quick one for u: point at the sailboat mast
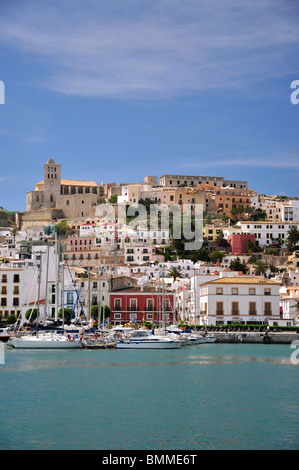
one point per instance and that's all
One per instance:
(46, 293)
(39, 284)
(56, 277)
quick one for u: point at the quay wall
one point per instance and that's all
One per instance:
(256, 337)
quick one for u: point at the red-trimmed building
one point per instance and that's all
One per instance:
(138, 304)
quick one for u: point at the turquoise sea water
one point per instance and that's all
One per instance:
(213, 396)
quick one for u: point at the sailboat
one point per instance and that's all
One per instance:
(45, 340)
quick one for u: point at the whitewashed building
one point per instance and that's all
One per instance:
(241, 300)
(266, 232)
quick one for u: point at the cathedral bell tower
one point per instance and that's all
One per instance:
(52, 182)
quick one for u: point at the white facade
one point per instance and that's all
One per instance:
(265, 232)
(289, 299)
(290, 211)
(243, 299)
(87, 230)
(18, 288)
(140, 254)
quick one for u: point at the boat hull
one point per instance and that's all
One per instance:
(206, 340)
(148, 345)
(18, 343)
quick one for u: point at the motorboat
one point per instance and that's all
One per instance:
(4, 335)
(144, 339)
(121, 332)
(186, 337)
(45, 341)
(201, 339)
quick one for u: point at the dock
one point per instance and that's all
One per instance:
(256, 337)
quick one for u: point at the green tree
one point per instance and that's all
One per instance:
(11, 319)
(113, 199)
(293, 238)
(95, 311)
(220, 240)
(258, 214)
(175, 273)
(224, 218)
(31, 314)
(216, 256)
(62, 228)
(260, 268)
(203, 254)
(250, 246)
(14, 232)
(67, 314)
(237, 265)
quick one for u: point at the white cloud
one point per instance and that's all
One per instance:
(262, 162)
(157, 48)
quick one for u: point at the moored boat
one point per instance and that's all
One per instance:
(143, 339)
(45, 341)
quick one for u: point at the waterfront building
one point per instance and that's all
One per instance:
(289, 304)
(241, 300)
(142, 304)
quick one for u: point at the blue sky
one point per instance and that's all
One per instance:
(116, 90)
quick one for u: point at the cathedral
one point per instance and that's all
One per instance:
(74, 198)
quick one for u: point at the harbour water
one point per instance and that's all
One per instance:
(202, 397)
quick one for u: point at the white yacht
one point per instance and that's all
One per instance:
(143, 339)
(189, 337)
(45, 341)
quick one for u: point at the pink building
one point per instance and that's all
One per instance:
(238, 243)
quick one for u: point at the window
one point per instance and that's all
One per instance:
(3, 290)
(149, 305)
(16, 278)
(117, 316)
(117, 304)
(3, 302)
(268, 308)
(16, 302)
(267, 292)
(251, 291)
(133, 305)
(16, 290)
(219, 290)
(252, 308)
(219, 308)
(235, 291)
(4, 277)
(235, 308)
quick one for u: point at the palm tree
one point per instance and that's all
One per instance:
(260, 268)
(293, 238)
(175, 273)
(14, 232)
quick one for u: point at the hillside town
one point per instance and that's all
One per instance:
(80, 251)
